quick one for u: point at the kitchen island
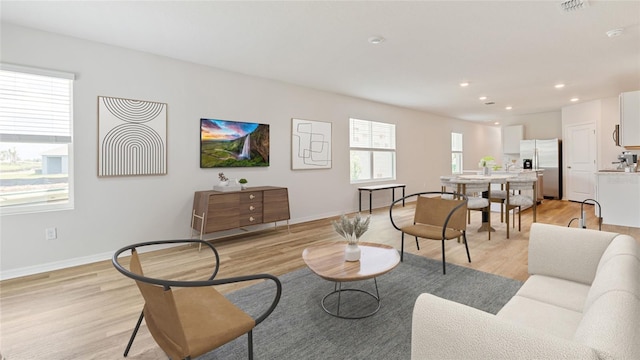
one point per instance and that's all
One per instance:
(619, 196)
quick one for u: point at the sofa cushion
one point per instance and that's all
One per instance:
(567, 253)
(559, 292)
(620, 245)
(612, 325)
(551, 319)
(619, 273)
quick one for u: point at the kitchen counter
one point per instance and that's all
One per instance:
(616, 172)
(618, 193)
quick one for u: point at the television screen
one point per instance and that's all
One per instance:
(225, 143)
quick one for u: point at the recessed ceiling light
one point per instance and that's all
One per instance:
(464, 84)
(482, 98)
(375, 40)
(509, 107)
(496, 123)
(614, 32)
(559, 86)
(574, 99)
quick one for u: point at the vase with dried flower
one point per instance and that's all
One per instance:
(351, 230)
(222, 179)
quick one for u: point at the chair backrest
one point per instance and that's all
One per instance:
(446, 182)
(436, 210)
(161, 313)
(521, 183)
(472, 187)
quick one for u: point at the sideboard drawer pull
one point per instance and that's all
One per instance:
(252, 207)
(251, 218)
(252, 196)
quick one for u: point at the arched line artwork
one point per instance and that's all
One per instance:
(310, 144)
(132, 137)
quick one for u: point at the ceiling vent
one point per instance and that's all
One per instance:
(573, 5)
(490, 103)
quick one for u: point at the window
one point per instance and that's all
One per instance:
(373, 150)
(456, 153)
(35, 139)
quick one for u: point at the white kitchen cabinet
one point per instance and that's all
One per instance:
(630, 119)
(619, 198)
(511, 136)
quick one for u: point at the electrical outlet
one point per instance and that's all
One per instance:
(51, 233)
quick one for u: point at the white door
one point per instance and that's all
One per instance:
(580, 161)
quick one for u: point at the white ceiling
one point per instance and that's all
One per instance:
(514, 52)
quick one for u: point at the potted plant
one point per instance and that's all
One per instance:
(243, 183)
(351, 230)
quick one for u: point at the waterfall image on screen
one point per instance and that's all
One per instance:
(225, 143)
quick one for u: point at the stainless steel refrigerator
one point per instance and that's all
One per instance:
(546, 155)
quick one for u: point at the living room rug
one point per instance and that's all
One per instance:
(300, 329)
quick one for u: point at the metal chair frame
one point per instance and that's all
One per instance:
(168, 284)
(444, 227)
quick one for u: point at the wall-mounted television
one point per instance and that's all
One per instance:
(225, 143)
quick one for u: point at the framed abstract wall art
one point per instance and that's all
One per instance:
(310, 144)
(132, 137)
(225, 143)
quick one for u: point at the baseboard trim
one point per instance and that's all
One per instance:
(52, 266)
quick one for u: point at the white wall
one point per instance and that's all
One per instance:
(112, 212)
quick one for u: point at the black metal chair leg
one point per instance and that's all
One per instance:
(133, 334)
(250, 339)
(417, 244)
(444, 264)
(467, 247)
(402, 248)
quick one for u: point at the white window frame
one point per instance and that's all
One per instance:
(16, 137)
(456, 153)
(389, 149)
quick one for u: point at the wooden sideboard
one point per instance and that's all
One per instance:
(220, 210)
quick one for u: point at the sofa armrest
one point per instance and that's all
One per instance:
(444, 329)
(567, 253)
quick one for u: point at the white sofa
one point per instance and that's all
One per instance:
(581, 301)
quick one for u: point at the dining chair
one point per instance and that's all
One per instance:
(435, 218)
(477, 192)
(191, 318)
(521, 192)
(447, 186)
(499, 196)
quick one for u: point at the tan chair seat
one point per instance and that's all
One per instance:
(207, 326)
(430, 231)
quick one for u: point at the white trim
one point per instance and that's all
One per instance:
(56, 265)
(37, 71)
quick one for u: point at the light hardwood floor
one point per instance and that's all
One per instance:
(88, 312)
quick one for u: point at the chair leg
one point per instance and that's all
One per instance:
(402, 248)
(250, 340)
(520, 219)
(444, 264)
(507, 220)
(466, 246)
(417, 244)
(488, 210)
(133, 334)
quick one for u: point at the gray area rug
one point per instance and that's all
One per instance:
(300, 329)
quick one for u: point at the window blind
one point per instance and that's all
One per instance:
(35, 105)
